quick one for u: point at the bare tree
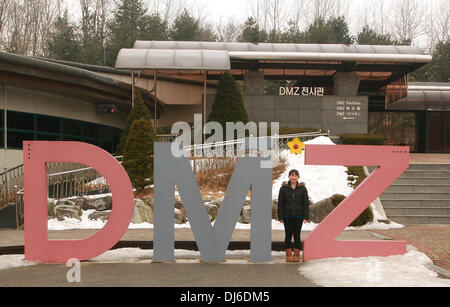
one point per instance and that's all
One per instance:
(270, 14)
(258, 9)
(4, 7)
(437, 25)
(298, 12)
(27, 25)
(228, 32)
(374, 14)
(94, 15)
(407, 19)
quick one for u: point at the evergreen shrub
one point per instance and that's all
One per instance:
(138, 153)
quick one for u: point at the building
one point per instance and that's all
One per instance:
(42, 100)
(332, 87)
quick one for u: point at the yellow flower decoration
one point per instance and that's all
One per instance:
(296, 146)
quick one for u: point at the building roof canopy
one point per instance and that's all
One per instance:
(424, 97)
(173, 59)
(273, 47)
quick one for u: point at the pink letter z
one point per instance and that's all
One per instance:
(391, 162)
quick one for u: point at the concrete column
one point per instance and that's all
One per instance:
(346, 84)
(254, 83)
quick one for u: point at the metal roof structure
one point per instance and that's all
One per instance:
(281, 48)
(424, 96)
(376, 66)
(45, 75)
(170, 59)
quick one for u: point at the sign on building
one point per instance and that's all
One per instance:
(348, 110)
(302, 91)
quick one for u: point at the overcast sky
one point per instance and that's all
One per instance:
(357, 12)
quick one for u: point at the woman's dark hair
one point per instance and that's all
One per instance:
(294, 171)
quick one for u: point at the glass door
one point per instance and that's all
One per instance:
(435, 132)
(438, 132)
(447, 139)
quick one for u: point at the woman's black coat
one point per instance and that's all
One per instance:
(293, 201)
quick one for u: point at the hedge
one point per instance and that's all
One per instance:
(361, 139)
(365, 217)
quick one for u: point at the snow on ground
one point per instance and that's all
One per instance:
(13, 261)
(322, 181)
(135, 254)
(409, 270)
(86, 223)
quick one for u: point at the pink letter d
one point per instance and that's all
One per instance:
(37, 246)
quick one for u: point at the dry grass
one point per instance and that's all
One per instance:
(214, 176)
(279, 169)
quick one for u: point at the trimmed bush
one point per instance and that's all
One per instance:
(336, 199)
(297, 130)
(228, 104)
(356, 175)
(365, 217)
(361, 139)
(140, 111)
(138, 153)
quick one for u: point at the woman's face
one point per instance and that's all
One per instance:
(293, 178)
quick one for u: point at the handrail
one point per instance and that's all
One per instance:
(241, 141)
(75, 177)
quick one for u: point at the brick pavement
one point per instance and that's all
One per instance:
(429, 158)
(432, 240)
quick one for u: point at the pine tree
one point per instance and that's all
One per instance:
(251, 32)
(63, 43)
(332, 31)
(439, 68)
(138, 153)
(185, 27)
(140, 111)
(131, 22)
(369, 36)
(228, 104)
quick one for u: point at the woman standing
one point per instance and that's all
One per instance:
(293, 211)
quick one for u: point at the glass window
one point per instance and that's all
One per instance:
(108, 146)
(91, 130)
(107, 133)
(15, 139)
(2, 119)
(48, 137)
(20, 121)
(92, 141)
(48, 124)
(72, 127)
(72, 139)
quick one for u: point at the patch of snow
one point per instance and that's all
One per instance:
(129, 255)
(14, 261)
(409, 270)
(322, 181)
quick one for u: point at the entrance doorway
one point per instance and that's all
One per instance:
(438, 131)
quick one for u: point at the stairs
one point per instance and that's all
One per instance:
(421, 195)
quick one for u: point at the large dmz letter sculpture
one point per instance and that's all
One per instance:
(212, 240)
(37, 245)
(391, 162)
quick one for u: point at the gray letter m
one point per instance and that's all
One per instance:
(212, 241)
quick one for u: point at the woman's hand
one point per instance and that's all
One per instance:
(281, 221)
